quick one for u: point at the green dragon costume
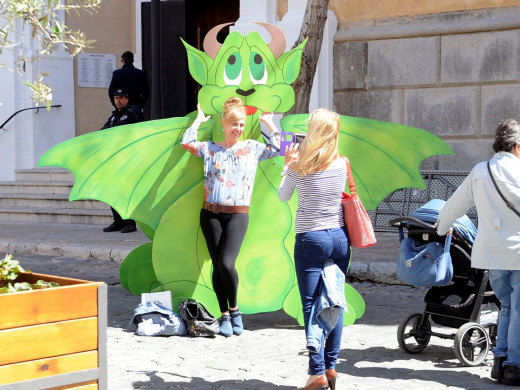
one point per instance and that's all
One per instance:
(160, 185)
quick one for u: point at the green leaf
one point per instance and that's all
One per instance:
(23, 286)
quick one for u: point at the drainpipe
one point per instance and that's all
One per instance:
(156, 104)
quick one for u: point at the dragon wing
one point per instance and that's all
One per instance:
(384, 156)
(135, 168)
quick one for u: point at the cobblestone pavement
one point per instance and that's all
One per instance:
(270, 354)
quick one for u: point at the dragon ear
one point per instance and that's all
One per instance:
(290, 62)
(198, 63)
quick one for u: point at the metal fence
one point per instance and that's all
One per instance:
(439, 185)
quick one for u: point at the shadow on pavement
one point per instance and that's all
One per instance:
(357, 363)
(196, 383)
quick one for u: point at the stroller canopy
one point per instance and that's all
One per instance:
(430, 213)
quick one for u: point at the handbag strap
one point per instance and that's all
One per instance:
(508, 203)
(447, 243)
(351, 184)
(161, 284)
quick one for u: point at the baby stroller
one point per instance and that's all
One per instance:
(459, 303)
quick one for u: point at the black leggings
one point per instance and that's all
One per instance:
(224, 234)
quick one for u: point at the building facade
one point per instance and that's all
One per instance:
(449, 67)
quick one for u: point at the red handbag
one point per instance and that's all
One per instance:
(359, 225)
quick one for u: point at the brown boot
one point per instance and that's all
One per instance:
(331, 375)
(320, 383)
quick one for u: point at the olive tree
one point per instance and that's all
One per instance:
(42, 22)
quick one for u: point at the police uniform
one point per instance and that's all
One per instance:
(124, 116)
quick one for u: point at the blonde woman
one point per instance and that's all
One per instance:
(229, 174)
(318, 174)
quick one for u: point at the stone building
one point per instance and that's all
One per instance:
(450, 67)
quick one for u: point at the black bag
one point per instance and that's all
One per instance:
(197, 319)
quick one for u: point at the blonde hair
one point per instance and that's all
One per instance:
(320, 146)
(233, 109)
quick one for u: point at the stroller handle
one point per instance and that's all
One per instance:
(414, 221)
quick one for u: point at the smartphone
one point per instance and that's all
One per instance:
(286, 140)
(299, 137)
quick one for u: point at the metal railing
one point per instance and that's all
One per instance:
(25, 109)
(439, 185)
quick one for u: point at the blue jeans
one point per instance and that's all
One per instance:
(311, 250)
(506, 285)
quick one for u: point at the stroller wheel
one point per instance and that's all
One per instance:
(471, 344)
(412, 335)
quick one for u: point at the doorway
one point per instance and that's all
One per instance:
(189, 20)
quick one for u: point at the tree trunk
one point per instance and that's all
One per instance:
(312, 28)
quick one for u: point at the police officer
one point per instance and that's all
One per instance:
(124, 114)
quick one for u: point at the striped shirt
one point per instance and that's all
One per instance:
(319, 197)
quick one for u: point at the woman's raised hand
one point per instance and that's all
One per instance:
(266, 117)
(292, 154)
(201, 117)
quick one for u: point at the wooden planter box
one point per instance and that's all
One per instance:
(54, 338)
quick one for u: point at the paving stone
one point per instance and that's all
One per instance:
(271, 354)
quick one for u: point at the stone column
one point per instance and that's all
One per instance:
(35, 131)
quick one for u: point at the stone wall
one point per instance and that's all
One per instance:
(113, 29)
(454, 74)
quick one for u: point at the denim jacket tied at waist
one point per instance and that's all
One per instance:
(326, 309)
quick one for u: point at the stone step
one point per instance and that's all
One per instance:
(35, 187)
(44, 175)
(42, 195)
(52, 201)
(57, 215)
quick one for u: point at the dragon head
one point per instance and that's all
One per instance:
(260, 74)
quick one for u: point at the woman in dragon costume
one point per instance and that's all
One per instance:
(229, 174)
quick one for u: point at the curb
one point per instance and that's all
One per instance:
(373, 271)
(80, 251)
(377, 272)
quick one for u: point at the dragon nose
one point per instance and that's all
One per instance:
(245, 93)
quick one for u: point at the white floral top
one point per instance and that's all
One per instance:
(229, 174)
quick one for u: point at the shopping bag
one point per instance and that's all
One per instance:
(162, 298)
(359, 226)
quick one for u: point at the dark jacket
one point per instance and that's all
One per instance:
(128, 115)
(133, 81)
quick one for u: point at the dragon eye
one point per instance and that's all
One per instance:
(233, 69)
(257, 69)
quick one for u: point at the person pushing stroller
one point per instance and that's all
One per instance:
(497, 245)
